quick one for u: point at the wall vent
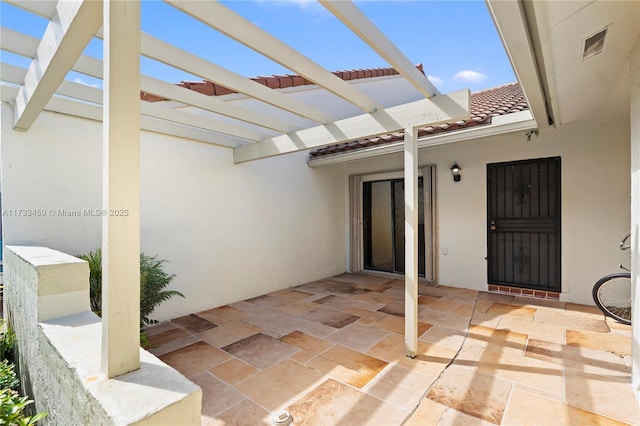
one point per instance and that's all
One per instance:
(594, 44)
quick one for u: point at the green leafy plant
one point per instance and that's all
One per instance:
(94, 259)
(12, 407)
(153, 283)
(8, 377)
(7, 340)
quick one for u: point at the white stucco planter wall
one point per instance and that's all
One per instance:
(59, 351)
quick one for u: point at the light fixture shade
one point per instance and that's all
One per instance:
(455, 171)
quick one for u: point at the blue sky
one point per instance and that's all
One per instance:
(455, 41)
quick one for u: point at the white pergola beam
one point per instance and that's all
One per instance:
(43, 8)
(212, 104)
(121, 189)
(71, 28)
(18, 43)
(357, 22)
(158, 110)
(178, 58)
(235, 26)
(411, 241)
(94, 112)
(438, 109)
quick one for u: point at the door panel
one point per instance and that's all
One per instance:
(383, 227)
(523, 212)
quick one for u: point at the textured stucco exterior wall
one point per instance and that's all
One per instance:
(595, 200)
(59, 357)
(229, 232)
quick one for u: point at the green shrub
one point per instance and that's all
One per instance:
(153, 281)
(7, 340)
(8, 377)
(12, 407)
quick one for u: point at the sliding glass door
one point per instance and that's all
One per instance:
(383, 225)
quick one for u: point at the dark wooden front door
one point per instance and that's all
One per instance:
(523, 224)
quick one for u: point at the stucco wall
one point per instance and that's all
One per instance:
(235, 231)
(229, 232)
(59, 351)
(595, 200)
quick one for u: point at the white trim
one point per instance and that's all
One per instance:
(390, 175)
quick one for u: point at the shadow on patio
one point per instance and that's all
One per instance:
(332, 352)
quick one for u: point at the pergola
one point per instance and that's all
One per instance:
(252, 135)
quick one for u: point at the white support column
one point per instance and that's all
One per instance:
(121, 189)
(411, 241)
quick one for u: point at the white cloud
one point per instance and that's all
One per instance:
(470, 76)
(85, 83)
(435, 80)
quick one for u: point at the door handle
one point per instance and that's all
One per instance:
(493, 227)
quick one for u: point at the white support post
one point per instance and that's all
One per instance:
(121, 189)
(411, 241)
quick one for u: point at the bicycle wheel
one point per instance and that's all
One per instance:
(612, 294)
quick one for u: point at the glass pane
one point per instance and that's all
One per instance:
(381, 227)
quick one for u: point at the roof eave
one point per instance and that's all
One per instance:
(514, 27)
(511, 123)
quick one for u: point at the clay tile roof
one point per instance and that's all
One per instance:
(486, 104)
(276, 82)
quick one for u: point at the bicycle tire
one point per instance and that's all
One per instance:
(612, 294)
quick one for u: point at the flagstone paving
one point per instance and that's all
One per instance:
(331, 352)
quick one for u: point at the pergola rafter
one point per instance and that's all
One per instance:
(357, 22)
(71, 28)
(235, 26)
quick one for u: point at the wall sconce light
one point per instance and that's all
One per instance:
(455, 171)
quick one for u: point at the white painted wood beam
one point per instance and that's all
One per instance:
(71, 28)
(12, 74)
(94, 112)
(212, 104)
(18, 43)
(411, 241)
(178, 58)
(157, 110)
(121, 189)
(438, 109)
(43, 8)
(511, 24)
(235, 26)
(87, 93)
(357, 22)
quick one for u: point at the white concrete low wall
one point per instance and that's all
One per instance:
(59, 341)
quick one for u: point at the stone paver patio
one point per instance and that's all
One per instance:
(332, 353)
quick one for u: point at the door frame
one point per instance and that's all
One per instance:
(356, 231)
